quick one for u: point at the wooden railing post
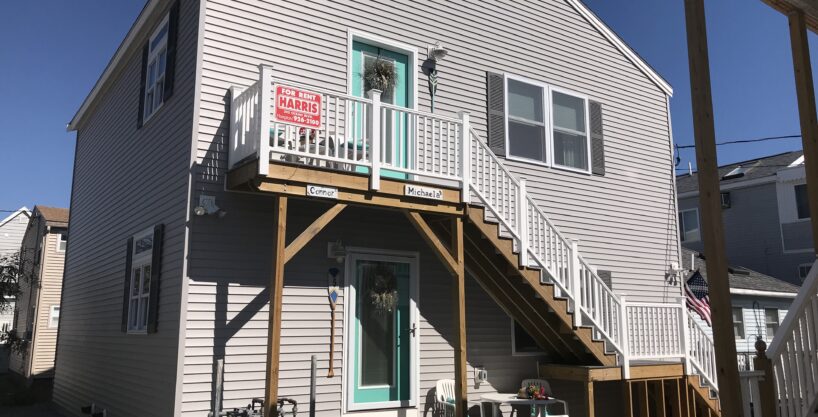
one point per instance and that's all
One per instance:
(766, 386)
(465, 157)
(684, 335)
(576, 282)
(522, 223)
(265, 104)
(374, 129)
(623, 337)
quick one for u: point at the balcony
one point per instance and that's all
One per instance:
(326, 144)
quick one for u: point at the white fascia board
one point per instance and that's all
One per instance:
(759, 293)
(13, 215)
(621, 46)
(150, 6)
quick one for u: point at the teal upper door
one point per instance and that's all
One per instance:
(394, 124)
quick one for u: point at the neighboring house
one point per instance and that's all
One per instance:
(759, 301)
(184, 189)
(37, 314)
(12, 229)
(765, 212)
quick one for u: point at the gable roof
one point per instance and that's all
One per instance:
(22, 210)
(740, 278)
(755, 169)
(151, 5)
(54, 216)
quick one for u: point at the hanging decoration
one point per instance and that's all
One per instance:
(332, 293)
(383, 292)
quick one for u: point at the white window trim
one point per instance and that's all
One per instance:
(59, 240)
(152, 54)
(140, 261)
(795, 202)
(51, 324)
(681, 225)
(514, 344)
(767, 336)
(743, 326)
(548, 122)
(392, 45)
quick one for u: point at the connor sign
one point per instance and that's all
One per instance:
(297, 107)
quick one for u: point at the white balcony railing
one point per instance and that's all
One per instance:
(368, 136)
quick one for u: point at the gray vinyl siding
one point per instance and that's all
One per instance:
(227, 310)
(632, 234)
(126, 180)
(30, 262)
(11, 233)
(752, 233)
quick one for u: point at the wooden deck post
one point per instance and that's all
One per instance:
(805, 92)
(710, 209)
(274, 324)
(459, 305)
(589, 398)
(766, 387)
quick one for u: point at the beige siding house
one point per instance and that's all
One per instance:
(545, 152)
(37, 312)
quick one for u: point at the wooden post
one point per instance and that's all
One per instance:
(627, 398)
(589, 398)
(710, 209)
(459, 305)
(766, 387)
(276, 293)
(805, 91)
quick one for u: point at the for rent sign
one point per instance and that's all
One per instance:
(298, 107)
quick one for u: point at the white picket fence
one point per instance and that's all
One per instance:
(366, 135)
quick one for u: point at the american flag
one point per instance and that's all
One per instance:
(697, 296)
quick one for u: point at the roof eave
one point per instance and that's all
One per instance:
(150, 6)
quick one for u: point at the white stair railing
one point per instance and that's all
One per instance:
(701, 353)
(794, 353)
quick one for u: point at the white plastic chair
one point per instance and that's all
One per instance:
(541, 383)
(444, 397)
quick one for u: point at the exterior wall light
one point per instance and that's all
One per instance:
(435, 53)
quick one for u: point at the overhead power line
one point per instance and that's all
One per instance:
(733, 142)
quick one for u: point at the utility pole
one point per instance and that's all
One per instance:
(710, 209)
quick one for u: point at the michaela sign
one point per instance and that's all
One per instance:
(297, 107)
(423, 192)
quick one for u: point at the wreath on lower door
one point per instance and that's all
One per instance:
(383, 292)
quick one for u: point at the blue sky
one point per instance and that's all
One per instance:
(54, 50)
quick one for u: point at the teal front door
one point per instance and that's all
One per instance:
(382, 333)
(395, 127)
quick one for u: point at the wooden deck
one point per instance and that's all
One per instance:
(610, 373)
(352, 188)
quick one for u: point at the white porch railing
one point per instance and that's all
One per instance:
(701, 353)
(368, 136)
(794, 353)
(750, 393)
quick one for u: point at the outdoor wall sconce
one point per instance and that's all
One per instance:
(435, 54)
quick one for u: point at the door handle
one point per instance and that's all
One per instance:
(412, 329)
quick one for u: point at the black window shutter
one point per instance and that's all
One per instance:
(496, 114)
(597, 139)
(170, 65)
(126, 295)
(156, 268)
(142, 86)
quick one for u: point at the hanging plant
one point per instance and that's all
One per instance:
(383, 293)
(380, 74)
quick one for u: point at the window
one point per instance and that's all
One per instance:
(803, 271)
(140, 282)
(62, 241)
(689, 225)
(726, 202)
(738, 323)
(155, 66)
(547, 125)
(771, 320)
(54, 317)
(801, 201)
(522, 344)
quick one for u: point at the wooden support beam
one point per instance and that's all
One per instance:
(627, 400)
(276, 295)
(710, 208)
(589, 398)
(434, 241)
(659, 397)
(684, 403)
(644, 408)
(766, 387)
(306, 236)
(459, 307)
(805, 92)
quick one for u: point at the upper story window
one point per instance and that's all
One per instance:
(689, 225)
(54, 317)
(547, 125)
(155, 69)
(738, 322)
(62, 241)
(801, 201)
(771, 321)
